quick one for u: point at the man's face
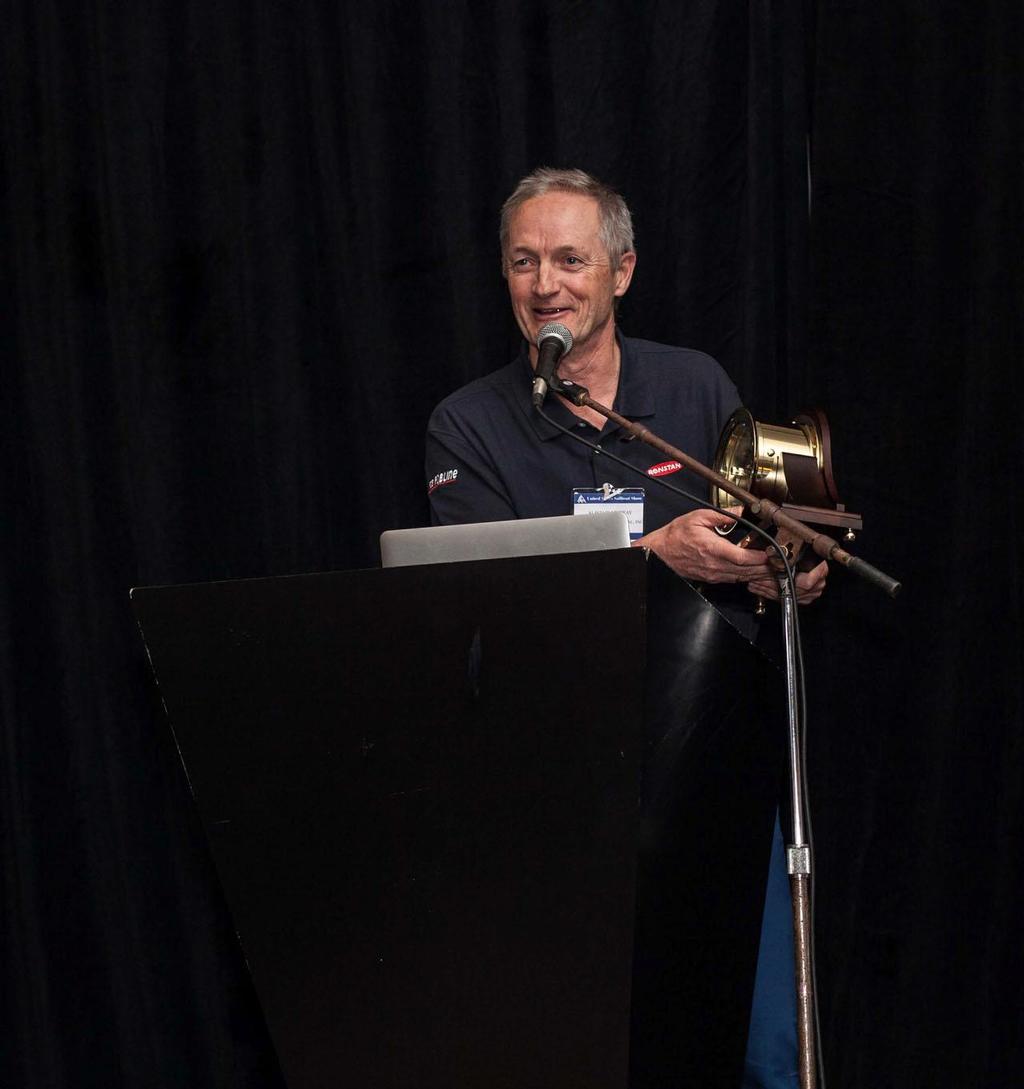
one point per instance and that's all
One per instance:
(558, 269)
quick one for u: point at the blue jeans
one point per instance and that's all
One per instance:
(771, 1061)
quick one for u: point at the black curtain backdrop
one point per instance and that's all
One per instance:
(246, 247)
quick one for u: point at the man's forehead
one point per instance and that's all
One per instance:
(556, 219)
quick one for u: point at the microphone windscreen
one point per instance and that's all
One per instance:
(557, 331)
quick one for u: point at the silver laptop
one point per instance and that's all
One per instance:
(496, 540)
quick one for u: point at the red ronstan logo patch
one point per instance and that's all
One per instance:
(663, 468)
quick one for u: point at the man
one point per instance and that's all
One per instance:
(568, 257)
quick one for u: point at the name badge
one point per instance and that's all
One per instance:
(630, 501)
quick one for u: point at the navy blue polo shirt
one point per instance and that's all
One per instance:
(490, 456)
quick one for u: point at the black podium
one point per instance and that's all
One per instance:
(421, 788)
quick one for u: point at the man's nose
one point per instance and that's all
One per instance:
(546, 282)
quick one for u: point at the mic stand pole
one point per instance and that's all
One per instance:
(798, 854)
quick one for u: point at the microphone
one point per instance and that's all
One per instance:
(553, 341)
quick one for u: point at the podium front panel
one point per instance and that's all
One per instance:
(420, 788)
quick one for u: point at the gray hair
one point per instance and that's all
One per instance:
(616, 223)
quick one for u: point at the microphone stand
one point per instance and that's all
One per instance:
(798, 853)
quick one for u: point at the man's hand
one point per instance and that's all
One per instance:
(809, 585)
(691, 546)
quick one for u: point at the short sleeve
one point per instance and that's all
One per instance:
(462, 486)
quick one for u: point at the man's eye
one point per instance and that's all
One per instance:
(521, 262)
(573, 260)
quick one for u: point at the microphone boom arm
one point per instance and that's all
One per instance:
(821, 544)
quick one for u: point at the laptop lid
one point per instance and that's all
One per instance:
(497, 540)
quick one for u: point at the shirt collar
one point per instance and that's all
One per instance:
(635, 397)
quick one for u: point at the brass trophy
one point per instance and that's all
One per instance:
(790, 466)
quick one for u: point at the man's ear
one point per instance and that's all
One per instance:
(624, 273)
